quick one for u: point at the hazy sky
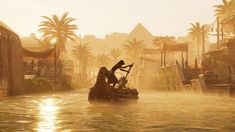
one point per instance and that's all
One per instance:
(100, 17)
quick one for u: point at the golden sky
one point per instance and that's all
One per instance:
(100, 17)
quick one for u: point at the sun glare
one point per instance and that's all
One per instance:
(47, 115)
(53, 41)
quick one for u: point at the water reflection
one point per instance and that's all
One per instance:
(47, 115)
(154, 112)
(119, 118)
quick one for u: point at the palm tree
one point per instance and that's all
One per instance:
(92, 66)
(115, 54)
(160, 42)
(44, 43)
(82, 53)
(199, 34)
(60, 29)
(226, 9)
(133, 49)
(102, 60)
(67, 66)
(195, 32)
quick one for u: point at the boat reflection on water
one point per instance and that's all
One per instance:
(47, 115)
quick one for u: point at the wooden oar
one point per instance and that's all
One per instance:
(129, 70)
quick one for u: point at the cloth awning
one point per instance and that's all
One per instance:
(177, 47)
(40, 54)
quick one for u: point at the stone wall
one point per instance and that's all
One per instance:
(11, 64)
(171, 78)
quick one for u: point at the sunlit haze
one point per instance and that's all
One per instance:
(117, 65)
(100, 17)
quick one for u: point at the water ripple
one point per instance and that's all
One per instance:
(154, 112)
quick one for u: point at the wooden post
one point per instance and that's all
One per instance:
(218, 31)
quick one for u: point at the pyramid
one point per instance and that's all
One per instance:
(140, 33)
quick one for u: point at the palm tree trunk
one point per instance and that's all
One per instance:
(203, 39)
(164, 55)
(84, 70)
(198, 49)
(58, 74)
(80, 68)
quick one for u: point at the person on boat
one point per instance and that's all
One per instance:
(112, 79)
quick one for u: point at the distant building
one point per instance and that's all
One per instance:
(30, 42)
(97, 44)
(114, 40)
(39, 63)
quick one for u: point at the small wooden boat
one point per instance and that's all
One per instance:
(104, 92)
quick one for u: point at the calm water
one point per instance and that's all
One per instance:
(154, 112)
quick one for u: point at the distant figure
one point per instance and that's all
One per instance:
(38, 71)
(176, 62)
(35, 70)
(43, 71)
(112, 79)
(196, 64)
(32, 65)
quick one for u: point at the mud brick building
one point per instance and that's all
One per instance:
(11, 64)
